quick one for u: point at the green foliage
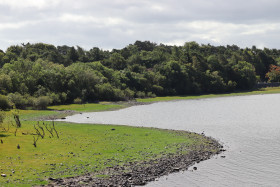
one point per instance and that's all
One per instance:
(142, 69)
(2, 117)
(245, 75)
(42, 102)
(77, 101)
(4, 102)
(18, 100)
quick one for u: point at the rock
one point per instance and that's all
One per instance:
(127, 175)
(3, 175)
(176, 169)
(194, 168)
(62, 118)
(223, 156)
(113, 129)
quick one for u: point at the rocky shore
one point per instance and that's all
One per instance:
(140, 173)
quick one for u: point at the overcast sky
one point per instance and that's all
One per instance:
(117, 23)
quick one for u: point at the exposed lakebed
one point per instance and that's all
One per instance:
(249, 127)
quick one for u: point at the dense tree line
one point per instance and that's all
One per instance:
(41, 74)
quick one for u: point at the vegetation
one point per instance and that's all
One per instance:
(39, 75)
(82, 148)
(50, 79)
(89, 107)
(28, 160)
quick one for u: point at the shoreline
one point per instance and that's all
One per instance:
(126, 104)
(140, 173)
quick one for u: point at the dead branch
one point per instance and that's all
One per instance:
(35, 141)
(55, 129)
(18, 123)
(38, 132)
(49, 130)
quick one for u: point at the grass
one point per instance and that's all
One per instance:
(270, 90)
(81, 148)
(90, 107)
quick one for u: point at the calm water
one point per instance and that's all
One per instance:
(248, 126)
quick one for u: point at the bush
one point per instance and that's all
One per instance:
(105, 91)
(140, 94)
(2, 117)
(129, 94)
(77, 101)
(4, 102)
(118, 94)
(42, 102)
(150, 94)
(18, 100)
(54, 98)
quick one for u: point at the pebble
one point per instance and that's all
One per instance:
(3, 175)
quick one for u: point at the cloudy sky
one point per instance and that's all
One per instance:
(117, 23)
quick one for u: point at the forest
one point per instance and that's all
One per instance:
(38, 75)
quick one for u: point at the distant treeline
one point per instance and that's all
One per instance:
(38, 75)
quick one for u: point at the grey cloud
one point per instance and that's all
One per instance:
(115, 24)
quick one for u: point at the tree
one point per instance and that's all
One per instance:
(274, 74)
(245, 75)
(117, 61)
(4, 103)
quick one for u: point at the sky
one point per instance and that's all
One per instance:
(118, 23)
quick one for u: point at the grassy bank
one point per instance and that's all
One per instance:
(89, 107)
(81, 148)
(270, 90)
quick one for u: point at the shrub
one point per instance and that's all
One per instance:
(78, 101)
(140, 94)
(151, 94)
(54, 98)
(4, 102)
(2, 117)
(42, 102)
(118, 94)
(129, 94)
(18, 100)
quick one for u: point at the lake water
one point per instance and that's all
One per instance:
(248, 126)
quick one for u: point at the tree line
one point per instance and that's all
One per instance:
(38, 75)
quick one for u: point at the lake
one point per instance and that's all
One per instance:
(247, 126)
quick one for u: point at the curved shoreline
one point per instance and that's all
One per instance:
(140, 173)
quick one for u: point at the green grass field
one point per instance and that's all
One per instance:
(89, 107)
(81, 148)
